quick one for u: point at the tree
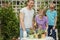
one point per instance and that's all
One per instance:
(9, 23)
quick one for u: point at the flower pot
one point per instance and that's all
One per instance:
(13, 38)
(31, 36)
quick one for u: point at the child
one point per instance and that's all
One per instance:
(41, 20)
(52, 20)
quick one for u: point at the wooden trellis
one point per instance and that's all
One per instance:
(18, 4)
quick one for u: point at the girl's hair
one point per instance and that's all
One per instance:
(44, 11)
(39, 9)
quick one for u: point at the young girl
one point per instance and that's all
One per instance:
(41, 20)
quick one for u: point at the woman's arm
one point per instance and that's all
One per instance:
(22, 21)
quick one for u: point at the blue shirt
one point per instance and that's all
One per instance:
(51, 16)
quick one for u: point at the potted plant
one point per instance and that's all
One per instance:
(31, 33)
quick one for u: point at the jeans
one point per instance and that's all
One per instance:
(53, 34)
(21, 32)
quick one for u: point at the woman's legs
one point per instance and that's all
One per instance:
(21, 34)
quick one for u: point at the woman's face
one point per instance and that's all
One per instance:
(41, 12)
(31, 4)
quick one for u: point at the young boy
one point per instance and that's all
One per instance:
(52, 20)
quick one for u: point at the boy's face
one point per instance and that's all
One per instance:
(51, 6)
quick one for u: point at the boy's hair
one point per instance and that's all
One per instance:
(52, 4)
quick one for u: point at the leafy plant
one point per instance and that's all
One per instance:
(31, 31)
(9, 23)
(58, 21)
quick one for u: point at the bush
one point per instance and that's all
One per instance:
(58, 22)
(9, 23)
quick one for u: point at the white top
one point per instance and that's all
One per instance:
(28, 16)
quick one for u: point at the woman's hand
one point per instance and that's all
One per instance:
(24, 34)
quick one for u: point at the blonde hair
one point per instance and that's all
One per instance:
(52, 4)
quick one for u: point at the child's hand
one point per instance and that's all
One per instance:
(54, 28)
(40, 27)
(46, 32)
(35, 24)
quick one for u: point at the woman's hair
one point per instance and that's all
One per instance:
(28, 1)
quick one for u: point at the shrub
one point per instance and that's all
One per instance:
(9, 23)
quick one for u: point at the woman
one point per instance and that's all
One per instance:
(41, 20)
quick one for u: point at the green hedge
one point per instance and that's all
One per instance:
(58, 21)
(9, 23)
